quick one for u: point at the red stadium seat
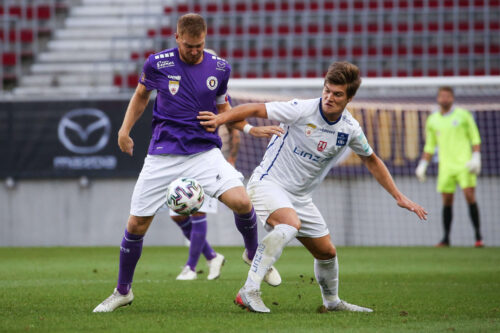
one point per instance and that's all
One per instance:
(297, 52)
(371, 73)
(495, 48)
(327, 52)
(252, 53)
(238, 53)
(311, 73)
(448, 49)
(311, 52)
(388, 4)
(479, 72)
(372, 50)
(313, 5)
(402, 73)
(251, 75)
(313, 28)
(357, 51)
(387, 50)
(211, 7)
(267, 52)
(132, 80)
(463, 49)
(448, 72)
(241, 7)
(9, 59)
(328, 5)
(373, 4)
(282, 52)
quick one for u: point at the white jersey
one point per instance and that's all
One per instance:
(300, 159)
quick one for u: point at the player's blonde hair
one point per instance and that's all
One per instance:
(343, 72)
(192, 24)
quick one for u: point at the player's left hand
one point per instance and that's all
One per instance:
(474, 165)
(413, 207)
(208, 120)
(266, 131)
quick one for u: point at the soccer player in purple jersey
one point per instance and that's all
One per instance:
(187, 80)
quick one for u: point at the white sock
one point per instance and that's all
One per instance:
(268, 252)
(327, 275)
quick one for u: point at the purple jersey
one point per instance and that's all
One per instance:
(183, 91)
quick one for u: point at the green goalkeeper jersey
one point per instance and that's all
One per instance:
(454, 133)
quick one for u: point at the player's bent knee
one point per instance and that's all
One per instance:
(242, 206)
(138, 225)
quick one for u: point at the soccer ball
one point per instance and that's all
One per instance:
(185, 196)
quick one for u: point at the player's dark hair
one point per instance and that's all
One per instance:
(343, 72)
(446, 88)
(192, 24)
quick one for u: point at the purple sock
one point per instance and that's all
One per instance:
(185, 226)
(130, 252)
(198, 236)
(247, 226)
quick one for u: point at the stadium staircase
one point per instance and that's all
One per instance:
(100, 40)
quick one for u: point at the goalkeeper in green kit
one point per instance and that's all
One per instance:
(454, 132)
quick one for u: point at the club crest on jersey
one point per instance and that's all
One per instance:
(212, 82)
(173, 87)
(310, 129)
(322, 145)
(342, 139)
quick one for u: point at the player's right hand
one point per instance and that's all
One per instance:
(421, 169)
(208, 120)
(126, 143)
(266, 131)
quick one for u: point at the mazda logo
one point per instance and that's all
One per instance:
(84, 131)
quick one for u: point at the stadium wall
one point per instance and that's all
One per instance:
(358, 212)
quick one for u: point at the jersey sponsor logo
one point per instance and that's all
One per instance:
(325, 130)
(306, 155)
(310, 128)
(221, 66)
(212, 82)
(84, 131)
(342, 139)
(322, 145)
(173, 87)
(174, 77)
(344, 118)
(164, 64)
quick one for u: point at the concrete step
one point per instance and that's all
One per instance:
(58, 80)
(82, 56)
(127, 2)
(76, 91)
(117, 10)
(96, 68)
(146, 21)
(101, 44)
(98, 33)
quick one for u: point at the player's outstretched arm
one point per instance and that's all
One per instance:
(236, 119)
(241, 112)
(378, 169)
(135, 109)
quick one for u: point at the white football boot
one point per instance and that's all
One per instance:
(115, 301)
(215, 266)
(344, 306)
(272, 276)
(186, 274)
(251, 300)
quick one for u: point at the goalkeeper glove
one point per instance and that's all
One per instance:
(474, 165)
(421, 169)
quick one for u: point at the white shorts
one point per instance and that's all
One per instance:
(209, 168)
(268, 196)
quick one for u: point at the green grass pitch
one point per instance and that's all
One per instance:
(410, 289)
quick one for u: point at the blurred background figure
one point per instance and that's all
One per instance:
(453, 131)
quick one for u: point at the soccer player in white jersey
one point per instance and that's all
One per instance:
(316, 132)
